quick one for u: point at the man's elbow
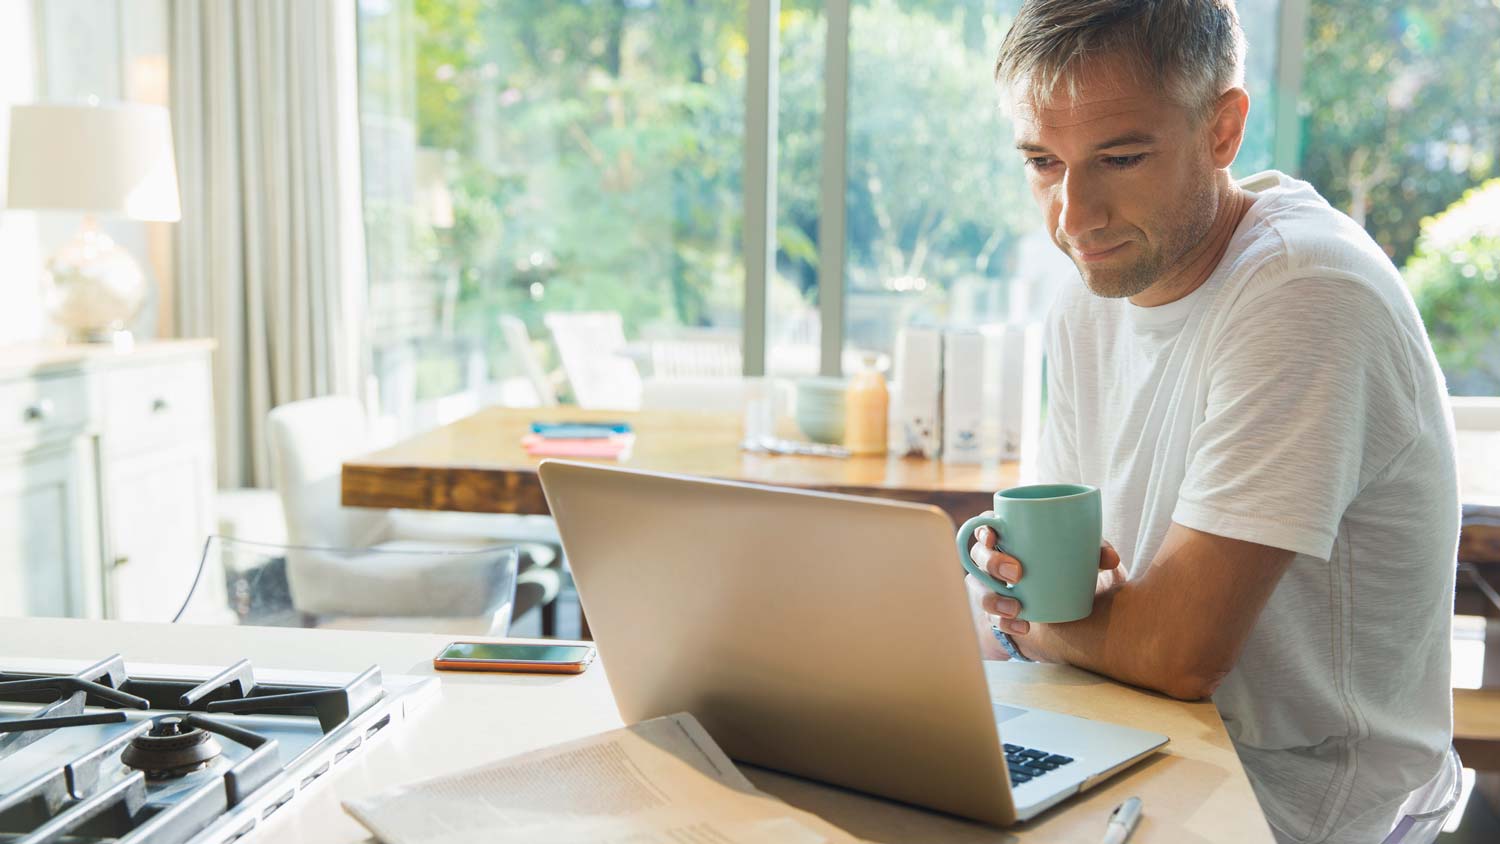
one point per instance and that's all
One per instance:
(1192, 686)
(1194, 676)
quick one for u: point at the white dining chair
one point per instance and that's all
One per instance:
(309, 442)
(518, 343)
(695, 395)
(591, 346)
(696, 358)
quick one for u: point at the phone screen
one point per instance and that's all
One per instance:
(515, 653)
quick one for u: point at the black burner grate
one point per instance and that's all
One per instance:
(73, 801)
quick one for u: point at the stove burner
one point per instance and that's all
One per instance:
(127, 784)
(171, 749)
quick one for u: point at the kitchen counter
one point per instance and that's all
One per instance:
(1195, 791)
(45, 358)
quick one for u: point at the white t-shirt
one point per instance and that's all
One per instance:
(1292, 400)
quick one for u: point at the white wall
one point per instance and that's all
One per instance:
(21, 317)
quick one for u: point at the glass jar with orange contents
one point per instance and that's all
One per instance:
(866, 406)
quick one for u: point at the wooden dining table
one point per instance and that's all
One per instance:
(478, 465)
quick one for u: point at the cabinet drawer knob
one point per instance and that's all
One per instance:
(39, 411)
(120, 561)
(159, 406)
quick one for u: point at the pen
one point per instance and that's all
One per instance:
(1122, 821)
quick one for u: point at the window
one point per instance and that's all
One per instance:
(525, 159)
(938, 208)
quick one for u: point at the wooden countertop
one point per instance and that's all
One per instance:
(477, 465)
(1194, 790)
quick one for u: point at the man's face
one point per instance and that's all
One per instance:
(1124, 177)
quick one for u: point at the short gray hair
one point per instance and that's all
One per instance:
(1191, 50)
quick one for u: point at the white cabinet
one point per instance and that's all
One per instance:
(157, 463)
(106, 479)
(159, 513)
(49, 542)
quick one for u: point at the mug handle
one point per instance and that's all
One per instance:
(966, 532)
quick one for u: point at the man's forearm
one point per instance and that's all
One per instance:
(1179, 627)
(1122, 639)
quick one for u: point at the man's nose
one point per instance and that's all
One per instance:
(1083, 206)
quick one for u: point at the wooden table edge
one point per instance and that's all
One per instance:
(518, 489)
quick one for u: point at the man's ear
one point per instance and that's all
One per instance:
(1226, 126)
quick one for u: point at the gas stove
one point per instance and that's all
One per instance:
(176, 754)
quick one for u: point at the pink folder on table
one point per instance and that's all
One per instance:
(603, 448)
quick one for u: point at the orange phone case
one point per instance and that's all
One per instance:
(511, 667)
(441, 663)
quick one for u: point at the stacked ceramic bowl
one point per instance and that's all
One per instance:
(820, 408)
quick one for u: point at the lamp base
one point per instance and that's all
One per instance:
(121, 339)
(93, 288)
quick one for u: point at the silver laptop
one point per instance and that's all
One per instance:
(821, 635)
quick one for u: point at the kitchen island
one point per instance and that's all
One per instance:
(1194, 791)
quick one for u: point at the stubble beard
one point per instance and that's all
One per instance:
(1180, 230)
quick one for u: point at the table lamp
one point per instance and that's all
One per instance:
(115, 160)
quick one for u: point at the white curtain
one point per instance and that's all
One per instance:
(270, 252)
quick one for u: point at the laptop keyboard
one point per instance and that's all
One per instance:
(1027, 764)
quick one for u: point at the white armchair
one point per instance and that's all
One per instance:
(444, 588)
(309, 441)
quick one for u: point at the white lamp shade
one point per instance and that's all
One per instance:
(105, 159)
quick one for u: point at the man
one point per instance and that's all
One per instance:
(1243, 375)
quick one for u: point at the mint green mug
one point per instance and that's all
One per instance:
(1055, 531)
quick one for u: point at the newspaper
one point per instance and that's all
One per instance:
(662, 780)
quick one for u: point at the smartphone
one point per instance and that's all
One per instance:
(498, 656)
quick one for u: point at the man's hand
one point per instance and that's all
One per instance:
(1002, 610)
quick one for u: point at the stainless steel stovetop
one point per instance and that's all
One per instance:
(172, 754)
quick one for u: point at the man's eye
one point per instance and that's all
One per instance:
(1125, 162)
(1041, 163)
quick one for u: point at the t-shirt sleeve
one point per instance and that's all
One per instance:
(1057, 452)
(1309, 396)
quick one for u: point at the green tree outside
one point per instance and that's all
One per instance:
(1455, 278)
(1400, 109)
(590, 155)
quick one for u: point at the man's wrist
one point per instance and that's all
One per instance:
(1009, 644)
